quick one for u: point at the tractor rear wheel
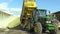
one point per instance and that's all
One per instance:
(38, 28)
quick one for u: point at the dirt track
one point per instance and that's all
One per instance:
(16, 32)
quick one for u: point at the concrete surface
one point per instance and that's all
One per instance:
(15, 30)
(12, 31)
(58, 32)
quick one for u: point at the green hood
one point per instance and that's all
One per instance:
(47, 17)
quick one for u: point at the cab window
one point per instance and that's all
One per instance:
(42, 13)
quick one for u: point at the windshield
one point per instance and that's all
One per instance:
(42, 12)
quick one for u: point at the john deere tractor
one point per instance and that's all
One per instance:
(43, 23)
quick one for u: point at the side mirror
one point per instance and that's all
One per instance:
(49, 12)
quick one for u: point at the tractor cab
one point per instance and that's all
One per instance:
(41, 16)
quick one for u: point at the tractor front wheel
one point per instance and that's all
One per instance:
(56, 29)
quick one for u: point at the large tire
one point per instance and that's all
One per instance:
(39, 26)
(56, 28)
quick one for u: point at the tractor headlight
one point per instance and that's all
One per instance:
(48, 21)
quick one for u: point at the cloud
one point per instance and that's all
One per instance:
(13, 11)
(3, 5)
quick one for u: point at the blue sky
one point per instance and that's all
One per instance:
(52, 5)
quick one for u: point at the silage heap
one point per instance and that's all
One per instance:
(7, 20)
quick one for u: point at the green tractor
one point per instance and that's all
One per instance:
(42, 23)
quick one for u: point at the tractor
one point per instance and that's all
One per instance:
(43, 23)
